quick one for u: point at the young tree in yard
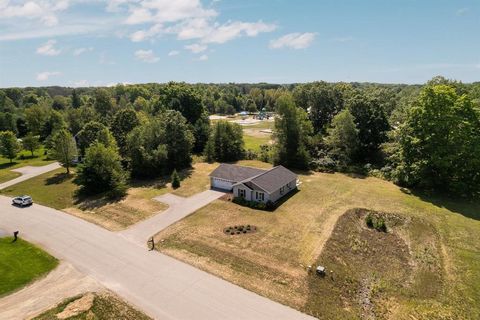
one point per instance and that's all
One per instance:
(31, 143)
(292, 133)
(342, 140)
(439, 144)
(9, 146)
(225, 143)
(64, 148)
(102, 171)
(175, 180)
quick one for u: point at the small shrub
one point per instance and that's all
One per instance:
(369, 220)
(377, 223)
(175, 180)
(380, 225)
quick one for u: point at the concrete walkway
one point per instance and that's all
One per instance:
(63, 282)
(161, 286)
(29, 172)
(179, 208)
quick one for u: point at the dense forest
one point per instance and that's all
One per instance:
(424, 136)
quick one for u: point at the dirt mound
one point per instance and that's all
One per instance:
(368, 270)
(77, 307)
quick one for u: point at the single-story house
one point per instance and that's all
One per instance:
(254, 184)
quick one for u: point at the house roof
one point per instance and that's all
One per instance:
(271, 180)
(235, 173)
(256, 179)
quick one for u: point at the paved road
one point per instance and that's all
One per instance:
(179, 208)
(163, 287)
(29, 172)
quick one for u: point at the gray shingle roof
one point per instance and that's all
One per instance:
(235, 173)
(256, 179)
(272, 180)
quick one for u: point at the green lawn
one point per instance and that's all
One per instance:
(24, 158)
(437, 246)
(254, 143)
(21, 263)
(54, 189)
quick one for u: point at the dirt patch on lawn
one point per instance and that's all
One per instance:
(369, 272)
(97, 305)
(77, 307)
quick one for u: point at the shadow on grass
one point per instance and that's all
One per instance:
(58, 178)
(159, 182)
(92, 202)
(7, 165)
(469, 208)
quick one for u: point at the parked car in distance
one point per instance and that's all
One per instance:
(22, 201)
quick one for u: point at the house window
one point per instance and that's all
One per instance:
(241, 193)
(259, 196)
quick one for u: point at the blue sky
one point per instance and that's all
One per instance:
(94, 42)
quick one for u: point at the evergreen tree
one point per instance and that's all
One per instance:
(175, 180)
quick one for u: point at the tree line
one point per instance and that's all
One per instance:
(415, 135)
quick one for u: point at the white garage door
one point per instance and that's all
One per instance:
(222, 184)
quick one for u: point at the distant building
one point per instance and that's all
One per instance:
(254, 184)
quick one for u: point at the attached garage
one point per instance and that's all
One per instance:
(222, 184)
(226, 175)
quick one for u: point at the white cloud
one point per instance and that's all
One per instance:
(161, 11)
(196, 47)
(146, 34)
(80, 51)
(203, 58)
(42, 10)
(146, 56)
(173, 53)
(293, 40)
(48, 49)
(235, 29)
(187, 19)
(44, 76)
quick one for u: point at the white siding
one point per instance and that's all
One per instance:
(221, 184)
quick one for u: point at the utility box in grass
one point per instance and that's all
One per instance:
(320, 271)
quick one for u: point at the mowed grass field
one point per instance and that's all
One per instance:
(436, 248)
(21, 263)
(24, 158)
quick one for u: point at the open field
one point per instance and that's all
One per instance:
(21, 263)
(24, 158)
(436, 250)
(103, 305)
